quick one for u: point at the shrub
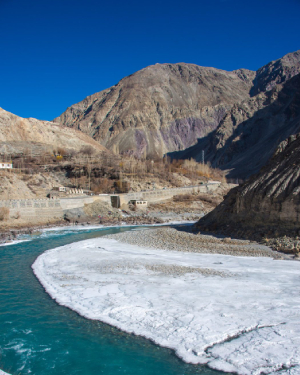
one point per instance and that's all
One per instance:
(87, 150)
(183, 198)
(4, 212)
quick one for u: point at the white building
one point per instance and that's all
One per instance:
(138, 204)
(4, 165)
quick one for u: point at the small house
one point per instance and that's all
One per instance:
(139, 203)
(4, 165)
(60, 188)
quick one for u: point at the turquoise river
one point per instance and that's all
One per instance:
(37, 336)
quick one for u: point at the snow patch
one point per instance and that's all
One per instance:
(240, 315)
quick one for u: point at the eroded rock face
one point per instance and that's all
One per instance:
(276, 72)
(249, 133)
(270, 199)
(18, 134)
(162, 108)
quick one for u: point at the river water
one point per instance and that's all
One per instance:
(37, 336)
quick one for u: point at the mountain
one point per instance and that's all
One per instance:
(268, 202)
(249, 133)
(18, 134)
(238, 118)
(162, 108)
(276, 72)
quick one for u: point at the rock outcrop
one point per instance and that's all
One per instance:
(250, 132)
(276, 72)
(269, 203)
(18, 134)
(162, 108)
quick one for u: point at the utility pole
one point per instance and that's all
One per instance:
(202, 156)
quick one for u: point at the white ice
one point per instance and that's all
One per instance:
(79, 227)
(243, 317)
(14, 242)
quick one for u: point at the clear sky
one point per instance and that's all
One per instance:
(55, 53)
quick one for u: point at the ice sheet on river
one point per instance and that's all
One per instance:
(235, 314)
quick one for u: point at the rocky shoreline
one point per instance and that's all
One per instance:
(179, 239)
(183, 238)
(8, 235)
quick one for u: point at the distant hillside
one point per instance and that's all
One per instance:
(18, 134)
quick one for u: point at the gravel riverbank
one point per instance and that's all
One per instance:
(177, 240)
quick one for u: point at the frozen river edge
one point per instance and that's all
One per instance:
(234, 313)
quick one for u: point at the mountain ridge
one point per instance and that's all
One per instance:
(166, 108)
(152, 100)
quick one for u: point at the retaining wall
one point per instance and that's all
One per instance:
(33, 208)
(54, 208)
(46, 208)
(164, 194)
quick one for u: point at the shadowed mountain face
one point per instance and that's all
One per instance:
(269, 199)
(162, 108)
(250, 132)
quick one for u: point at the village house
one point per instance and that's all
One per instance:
(139, 203)
(5, 165)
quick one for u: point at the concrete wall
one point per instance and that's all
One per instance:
(164, 194)
(33, 208)
(75, 202)
(47, 208)
(54, 208)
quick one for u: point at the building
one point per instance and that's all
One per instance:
(5, 165)
(138, 204)
(60, 188)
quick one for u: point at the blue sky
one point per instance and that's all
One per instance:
(55, 53)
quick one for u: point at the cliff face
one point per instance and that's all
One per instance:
(162, 108)
(270, 199)
(17, 134)
(250, 132)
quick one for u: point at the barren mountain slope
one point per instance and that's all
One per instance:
(250, 132)
(276, 72)
(162, 108)
(269, 201)
(17, 134)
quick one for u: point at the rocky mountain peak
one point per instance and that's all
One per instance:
(185, 108)
(276, 72)
(143, 113)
